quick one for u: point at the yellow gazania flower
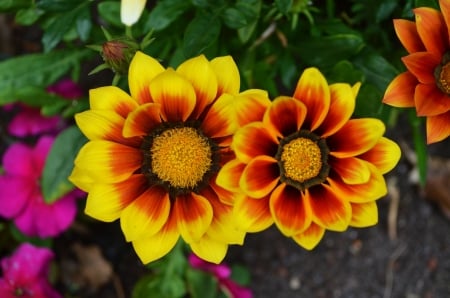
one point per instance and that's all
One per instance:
(307, 166)
(131, 10)
(426, 83)
(152, 157)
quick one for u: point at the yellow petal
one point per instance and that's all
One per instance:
(310, 237)
(351, 170)
(227, 75)
(364, 215)
(252, 215)
(112, 98)
(229, 175)
(81, 179)
(384, 155)
(209, 250)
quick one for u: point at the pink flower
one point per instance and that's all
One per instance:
(20, 192)
(222, 273)
(25, 273)
(29, 120)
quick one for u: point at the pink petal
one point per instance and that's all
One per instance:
(66, 88)
(29, 122)
(40, 152)
(15, 193)
(17, 161)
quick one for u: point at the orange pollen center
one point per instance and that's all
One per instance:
(444, 78)
(181, 157)
(302, 159)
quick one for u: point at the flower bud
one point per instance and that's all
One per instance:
(117, 53)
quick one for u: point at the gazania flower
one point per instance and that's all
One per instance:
(153, 157)
(307, 166)
(131, 10)
(426, 83)
(25, 273)
(21, 197)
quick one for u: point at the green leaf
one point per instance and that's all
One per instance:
(201, 32)
(84, 24)
(38, 97)
(59, 164)
(110, 12)
(201, 284)
(246, 32)
(12, 5)
(154, 286)
(36, 70)
(420, 145)
(240, 274)
(234, 18)
(57, 5)
(283, 5)
(165, 13)
(28, 16)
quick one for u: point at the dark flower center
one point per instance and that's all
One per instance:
(442, 74)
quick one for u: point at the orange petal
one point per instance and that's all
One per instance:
(106, 201)
(289, 210)
(227, 75)
(260, 176)
(432, 30)
(422, 66)
(312, 89)
(310, 237)
(194, 214)
(351, 170)
(143, 69)
(328, 210)
(400, 92)
(229, 175)
(384, 155)
(199, 72)
(445, 10)
(253, 140)
(152, 248)
(430, 101)
(285, 116)
(408, 36)
(141, 121)
(175, 94)
(113, 99)
(438, 127)
(146, 215)
(108, 162)
(374, 189)
(364, 215)
(252, 215)
(342, 105)
(356, 137)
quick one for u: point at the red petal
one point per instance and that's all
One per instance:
(285, 116)
(260, 176)
(141, 121)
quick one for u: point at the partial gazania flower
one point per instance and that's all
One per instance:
(131, 10)
(307, 166)
(153, 157)
(426, 83)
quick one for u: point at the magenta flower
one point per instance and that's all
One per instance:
(20, 192)
(29, 121)
(222, 273)
(25, 273)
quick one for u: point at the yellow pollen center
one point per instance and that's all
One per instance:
(181, 157)
(301, 159)
(444, 78)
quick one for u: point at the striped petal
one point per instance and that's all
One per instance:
(146, 215)
(199, 72)
(108, 162)
(408, 36)
(374, 189)
(329, 211)
(260, 176)
(250, 106)
(364, 215)
(175, 94)
(356, 137)
(131, 10)
(143, 69)
(229, 175)
(227, 75)
(285, 116)
(432, 30)
(430, 101)
(351, 170)
(252, 215)
(422, 65)
(253, 140)
(152, 248)
(142, 120)
(220, 121)
(289, 210)
(342, 105)
(209, 250)
(225, 196)
(310, 237)
(194, 215)
(438, 127)
(106, 201)
(104, 125)
(400, 92)
(312, 89)
(112, 98)
(384, 155)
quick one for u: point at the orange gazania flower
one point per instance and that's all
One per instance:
(153, 156)
(426, 83)
(307, 166)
